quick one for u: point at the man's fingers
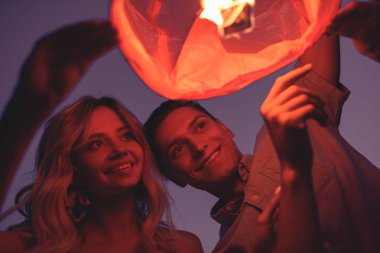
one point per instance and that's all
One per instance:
(348, 12)
(351, 20)
(297, 117)
(296, 111)
(288, 79)
(281, 109)
(303, 100)
(296, 74)
(348, 28)
(269, 211)
(297, 92)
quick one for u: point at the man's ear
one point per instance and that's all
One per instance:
(221, 124)
(168, 173)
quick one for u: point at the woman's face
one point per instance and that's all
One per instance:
(111, 161)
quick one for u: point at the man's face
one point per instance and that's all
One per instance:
(197, 149)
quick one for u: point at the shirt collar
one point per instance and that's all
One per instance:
(226, 212)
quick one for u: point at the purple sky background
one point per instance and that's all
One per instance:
(23, 21)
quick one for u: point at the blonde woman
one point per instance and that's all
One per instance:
(97, 188)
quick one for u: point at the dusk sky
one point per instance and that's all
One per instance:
(22, 22)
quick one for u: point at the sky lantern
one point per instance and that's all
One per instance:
(197, 49)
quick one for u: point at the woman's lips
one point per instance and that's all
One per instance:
(120, 167)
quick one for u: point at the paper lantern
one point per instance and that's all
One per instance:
(180, 55)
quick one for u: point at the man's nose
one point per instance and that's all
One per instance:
(199, 149)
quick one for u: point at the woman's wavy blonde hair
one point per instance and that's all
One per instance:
(52, 228)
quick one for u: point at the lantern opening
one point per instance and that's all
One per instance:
(232, 17)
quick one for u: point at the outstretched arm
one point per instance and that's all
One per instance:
(361, 22)
(324, 55)
(54, 67)
(285, 111)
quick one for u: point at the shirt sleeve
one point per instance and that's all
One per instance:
(333, 95)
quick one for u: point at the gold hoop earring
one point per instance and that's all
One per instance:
(78, 204)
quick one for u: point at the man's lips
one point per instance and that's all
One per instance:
(119, 167)
(210, 159)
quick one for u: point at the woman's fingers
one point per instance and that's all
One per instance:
(82, 41)
(82, 31)
(60, 59)
(98, 40)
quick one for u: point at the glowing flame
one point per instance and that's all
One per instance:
(231, 16)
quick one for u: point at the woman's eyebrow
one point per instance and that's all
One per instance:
(126, 127)
(122, 128)
(95, 135)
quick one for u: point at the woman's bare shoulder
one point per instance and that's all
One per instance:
(11, 242)
(186, 242)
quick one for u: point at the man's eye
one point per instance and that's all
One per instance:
(202, 124)
(177, 151)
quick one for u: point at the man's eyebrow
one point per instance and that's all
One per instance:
(192, 123)
(180, 139)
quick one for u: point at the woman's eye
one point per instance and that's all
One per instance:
(128, 136)
(93, 145)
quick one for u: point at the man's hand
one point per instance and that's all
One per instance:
(265, 234)
(361, 22)
(285, 111)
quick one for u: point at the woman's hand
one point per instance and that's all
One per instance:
(59, 59)
(54, 67)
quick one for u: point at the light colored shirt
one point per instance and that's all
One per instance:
(346, 184)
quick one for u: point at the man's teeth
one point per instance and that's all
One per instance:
(210, 159)
(121, 167)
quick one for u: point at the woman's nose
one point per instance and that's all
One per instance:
(118, 150)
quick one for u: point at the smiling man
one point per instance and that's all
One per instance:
(205, 163)
(193, 147)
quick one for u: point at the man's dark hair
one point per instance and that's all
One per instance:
(155, 119)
